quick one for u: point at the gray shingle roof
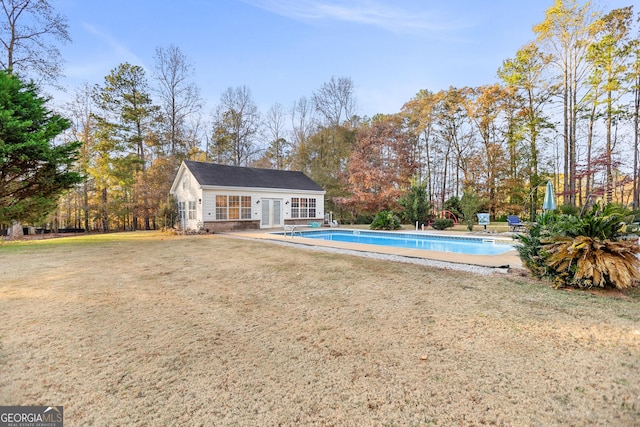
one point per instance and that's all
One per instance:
(235, 176)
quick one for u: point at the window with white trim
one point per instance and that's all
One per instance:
(302, 207)
(221, 207)
(181, 213)
(192, 210)
(233, 207)
(245, 207)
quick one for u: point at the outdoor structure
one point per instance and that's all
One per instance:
(483, 219)
(221, 198)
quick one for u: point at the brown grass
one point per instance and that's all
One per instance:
(146, 329)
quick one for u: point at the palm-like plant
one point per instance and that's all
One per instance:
(583, 251)
(532, 248)
(585, 261)
(608, 222)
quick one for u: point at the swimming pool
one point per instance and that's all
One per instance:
(429, 242)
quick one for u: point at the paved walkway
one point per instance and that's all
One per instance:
(509, 259)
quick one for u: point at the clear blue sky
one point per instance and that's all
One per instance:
(284, 49)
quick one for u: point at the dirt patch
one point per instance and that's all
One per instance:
(208, 330)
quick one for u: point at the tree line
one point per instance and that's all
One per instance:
(565, 108)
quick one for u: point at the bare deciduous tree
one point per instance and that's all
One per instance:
(302, 120)
(236, 124)
(335, 100)
(274, 127)
(180, 97)
(25, 32)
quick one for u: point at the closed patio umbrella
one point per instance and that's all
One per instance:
(549, 202)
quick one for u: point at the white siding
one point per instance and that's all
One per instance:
(209, 201)
(208, 206)
(185, 188)
(188, 190)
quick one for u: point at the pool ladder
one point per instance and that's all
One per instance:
(291, 229)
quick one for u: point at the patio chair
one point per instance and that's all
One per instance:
(514, 223)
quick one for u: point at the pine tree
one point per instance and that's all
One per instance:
(34, 170)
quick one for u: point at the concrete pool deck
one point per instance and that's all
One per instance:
(509, 259)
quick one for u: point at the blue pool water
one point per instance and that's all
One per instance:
(460, 245)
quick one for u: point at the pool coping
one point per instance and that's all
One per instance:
(507, 260)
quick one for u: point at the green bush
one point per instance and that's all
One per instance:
(385, 220)
(531, 247)
(364, 219)
(442, 223)
(453, 205)
(569, 210)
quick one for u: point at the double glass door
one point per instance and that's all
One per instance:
(271, 213)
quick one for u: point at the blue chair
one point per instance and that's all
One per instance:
(514, 223)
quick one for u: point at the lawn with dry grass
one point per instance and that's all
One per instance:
(150, 329)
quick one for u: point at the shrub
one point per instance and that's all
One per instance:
(452, 205)
(570, 210)
(442, 223)
(502, 218)
(585, 262)
(364, 219)
(531, 248)
(582, 251)
(385, 220)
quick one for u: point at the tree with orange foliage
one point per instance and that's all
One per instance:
(381, 165)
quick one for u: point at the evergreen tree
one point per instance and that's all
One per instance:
(33, 169)
(416, 203)
(128, 113)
